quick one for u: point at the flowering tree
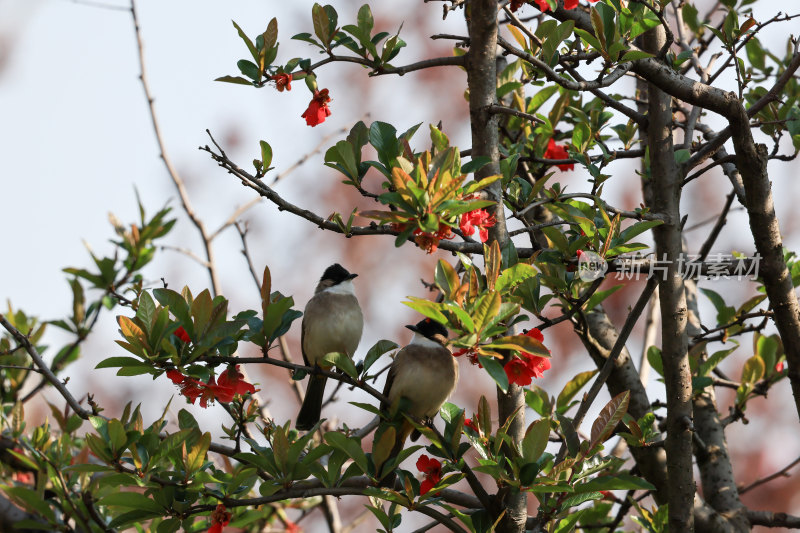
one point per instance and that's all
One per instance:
(550, 86)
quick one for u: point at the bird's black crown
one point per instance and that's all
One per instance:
(337, 274)
(429, 328)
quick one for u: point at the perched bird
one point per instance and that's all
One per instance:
(332, 322)
(425, 373)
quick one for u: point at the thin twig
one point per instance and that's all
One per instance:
(173, 173)
(780, 473)
(608, 366)
(48, 374)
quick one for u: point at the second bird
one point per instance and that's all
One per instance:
(425, 373)
(332, 322)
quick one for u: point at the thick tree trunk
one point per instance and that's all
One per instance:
(666, 179)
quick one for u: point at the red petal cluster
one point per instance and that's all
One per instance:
(318, 109)
(471, 355)
(558, 151)
(472, 424)
(282, 81)
(219, 519)
(480, 219)
(182, 335)
(522, 370)
(432, 470)
(430, 241)
(231, 382)
(568, 4)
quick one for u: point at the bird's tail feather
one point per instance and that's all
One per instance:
(312, 404)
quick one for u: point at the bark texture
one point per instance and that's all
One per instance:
(666, 179)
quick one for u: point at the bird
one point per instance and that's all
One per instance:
(332, 322)
(421, 377)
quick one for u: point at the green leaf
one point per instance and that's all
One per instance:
(320, 20)
(266, 155)
(427, 308)
(753, 370)
(654, 358)
(378, 349)
(343, 362)
(132, 500)
(31, 500)
(535, 440)
(614, 482)
(249, 69)
(250, 46)
(114, 362)
(633, 55)
(234, 79)
(495, 369)
(513, 276)
(573, 386)
(350, 446)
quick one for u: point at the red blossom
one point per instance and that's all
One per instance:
(233, 379)
(516, 4)
(537, 364)
(481, 219)
(543, 5)
(471, 355)
(518, 372)
(318, 109)
(282, 81)
(571, 4)
(291, 527)
(472, 424)
(779, 366)
(176, 377)
(229, 385)
(558, 151)
(432, 470)
(534, 333)
(427, 241)
(219, 519)
(182, 335)
(26, 478)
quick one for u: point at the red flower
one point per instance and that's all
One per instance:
(318, 109)
(233, 379)
(543, 5)
(282, 81)
(779, 366)
(471, 355)
(427, 241)
(534, 333)
(481, 219)
(219, 519)
(516, 4)
(176, 377)
(571, 4)
(432, 470)
(230, 384)
(182, 335)
(26, 478)
(537, 364)
(291, 527)
(468, 422)
(558, 151)
(518, 372)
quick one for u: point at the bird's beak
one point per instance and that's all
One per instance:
(351, 276)
(413, 328)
